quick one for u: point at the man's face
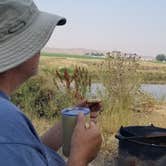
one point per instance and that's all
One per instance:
(30, 67)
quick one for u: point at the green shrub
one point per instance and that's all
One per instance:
(37, 96)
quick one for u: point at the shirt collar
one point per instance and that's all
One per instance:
(4, 95)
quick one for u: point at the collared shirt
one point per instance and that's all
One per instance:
(19, 143)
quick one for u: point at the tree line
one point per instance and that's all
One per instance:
(161, 57)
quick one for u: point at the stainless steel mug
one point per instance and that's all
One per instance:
(69, 120)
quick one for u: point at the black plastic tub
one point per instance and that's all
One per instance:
(143, 142)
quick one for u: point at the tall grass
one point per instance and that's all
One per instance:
(122, 82)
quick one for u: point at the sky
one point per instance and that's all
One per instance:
(131, 26)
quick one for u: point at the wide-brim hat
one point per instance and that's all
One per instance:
(25, 35)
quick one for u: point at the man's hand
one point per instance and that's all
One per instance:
(85, 143)
(53, 137)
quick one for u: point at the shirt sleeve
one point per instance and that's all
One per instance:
(20, 155)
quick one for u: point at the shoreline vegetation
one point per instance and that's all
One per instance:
(42, 97)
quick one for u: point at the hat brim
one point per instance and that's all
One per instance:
(26, 44)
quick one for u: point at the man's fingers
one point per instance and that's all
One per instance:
(92, 124)
(94, 120)
(93, 116)
(81, 119)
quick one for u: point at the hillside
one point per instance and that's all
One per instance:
(73, 51)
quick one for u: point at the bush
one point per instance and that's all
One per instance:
(37, 96)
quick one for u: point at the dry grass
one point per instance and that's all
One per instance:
(66, 62)
(155, 116)
(152, 64)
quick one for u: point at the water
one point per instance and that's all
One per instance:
(156, 90)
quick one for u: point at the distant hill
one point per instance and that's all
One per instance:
(74, 51)
(82, 51)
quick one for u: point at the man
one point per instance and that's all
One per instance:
(24, 30)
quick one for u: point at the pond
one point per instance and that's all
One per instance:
(158, 91)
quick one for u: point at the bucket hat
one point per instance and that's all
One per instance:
(24, 30)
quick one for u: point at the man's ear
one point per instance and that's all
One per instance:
(3, 74)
